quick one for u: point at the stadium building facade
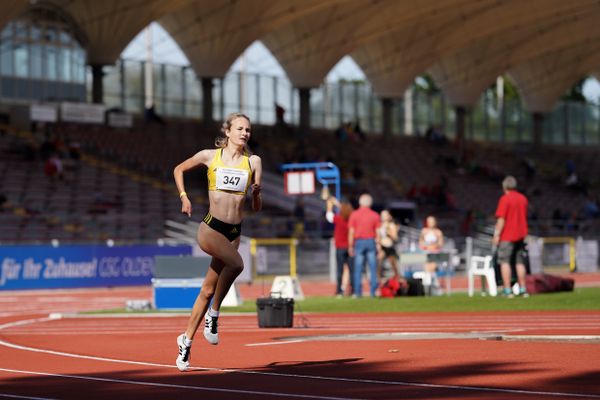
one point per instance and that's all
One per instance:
(543, 46)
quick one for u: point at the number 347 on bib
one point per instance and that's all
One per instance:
(232, 179)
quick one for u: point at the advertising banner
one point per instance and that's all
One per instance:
(46, 267)
(120, 120)
(82, 112)
(43, 113)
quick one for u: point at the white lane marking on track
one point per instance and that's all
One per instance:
(308, 377)
(94, 358)
(426, 385)
(243, 323)
(278, 342)
(310, 338)
(60, 328)
(23, 322)
(500, 330)
(173, 331)
(407, 317)
(239, 322)
(15, 396)
(338, 323)
(174, 386)
(173, 328)
(129, 333)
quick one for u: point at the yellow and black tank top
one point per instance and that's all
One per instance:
(228, 179)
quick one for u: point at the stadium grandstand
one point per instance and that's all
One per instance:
(457, 95)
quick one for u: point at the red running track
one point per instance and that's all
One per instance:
(133, 357)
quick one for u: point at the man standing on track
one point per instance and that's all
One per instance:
(363, 242)
(510, 233)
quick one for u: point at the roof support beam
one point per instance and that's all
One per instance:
(207, 100)
(304, 110)
(97, 84)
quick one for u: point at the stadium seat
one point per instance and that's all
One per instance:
(482, 266)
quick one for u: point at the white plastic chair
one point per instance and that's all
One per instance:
(482, 266)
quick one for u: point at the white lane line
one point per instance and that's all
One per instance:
(175, 386)
(391, 336)
(15, 396)
(583, 329)
(24, 322)
(72, 355)
(418, 384)
(404, 318)
(236, 321)
(109, 327)
(276, 374)
(552, 338)
(275, 343)
(239, 323)
(427, 385)
(309, 377)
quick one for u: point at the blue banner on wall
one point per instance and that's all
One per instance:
(44, 267)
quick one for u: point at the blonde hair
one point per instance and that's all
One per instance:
(386, 215)
(222, 139)
(433, 219)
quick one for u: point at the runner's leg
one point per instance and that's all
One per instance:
(204, 297)
(218, 246)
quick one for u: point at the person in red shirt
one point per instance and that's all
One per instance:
(340, 236)
(510, 233)
(363, 242)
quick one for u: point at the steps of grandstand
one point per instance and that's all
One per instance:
(128, 172)
(100, 199)
(93, 201)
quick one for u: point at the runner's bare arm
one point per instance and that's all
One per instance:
(201, 158)
(351, 242)
(392, 231)
(498, 230)
(256, 197)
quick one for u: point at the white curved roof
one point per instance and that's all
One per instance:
(544, 45)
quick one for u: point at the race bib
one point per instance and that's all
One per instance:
(232, 179)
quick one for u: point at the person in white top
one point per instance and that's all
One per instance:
(431, 240)
(388, 232)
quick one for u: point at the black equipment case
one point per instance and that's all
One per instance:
(275, 312)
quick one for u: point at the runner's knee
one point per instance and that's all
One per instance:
(207, 292)
(236, 269)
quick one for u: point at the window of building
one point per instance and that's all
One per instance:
(41, 46)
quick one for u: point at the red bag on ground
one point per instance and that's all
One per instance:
(390, 288)
(544, 283)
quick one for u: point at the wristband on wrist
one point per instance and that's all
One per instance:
(182, 194)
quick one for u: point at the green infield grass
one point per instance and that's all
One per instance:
(579, 299)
